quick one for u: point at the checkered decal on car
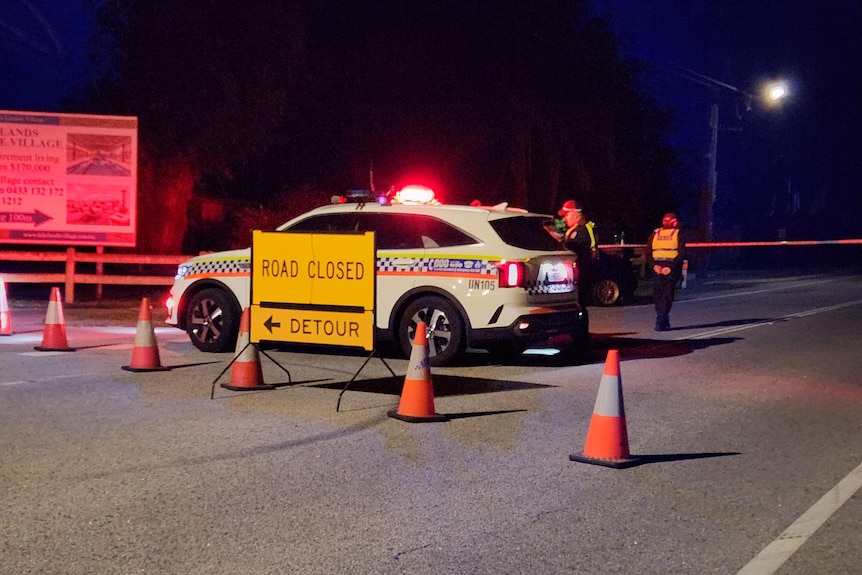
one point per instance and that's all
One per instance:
(437, 265)
(535, 287)
(220, 267)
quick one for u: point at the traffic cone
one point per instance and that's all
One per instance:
(607, 439)
(417, 397)
(54, 334)
(5, 316)
(145, 354)
(246, 373)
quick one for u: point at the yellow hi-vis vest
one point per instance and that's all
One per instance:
(590, 226)
(665, 244)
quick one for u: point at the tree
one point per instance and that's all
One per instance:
(522, 102)
(210, 84)
(528, 103)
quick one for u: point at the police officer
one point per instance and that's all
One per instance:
(580, 238)
(665, 255)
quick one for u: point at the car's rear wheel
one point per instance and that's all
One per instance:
(212, 320)
(445, 329)
(607, 292)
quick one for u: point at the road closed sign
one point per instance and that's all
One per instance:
(313, 288)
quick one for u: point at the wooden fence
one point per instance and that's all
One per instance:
(71, 276)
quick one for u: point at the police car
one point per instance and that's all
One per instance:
(483, 277)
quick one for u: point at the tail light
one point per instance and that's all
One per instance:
(511, 274)
(576, 271)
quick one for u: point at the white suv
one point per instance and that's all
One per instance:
(487, 277)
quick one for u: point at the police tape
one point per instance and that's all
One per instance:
(744, 244)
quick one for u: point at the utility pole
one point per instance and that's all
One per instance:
(708, 194)
(772, 93)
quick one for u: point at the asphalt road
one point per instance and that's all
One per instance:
(746, 416)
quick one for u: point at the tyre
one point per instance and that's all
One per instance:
(446, 339)
(607, 292)
(212, 320)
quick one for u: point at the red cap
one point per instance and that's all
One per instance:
(568, 206)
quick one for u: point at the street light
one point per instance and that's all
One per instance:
(776, 91)
(772, 94)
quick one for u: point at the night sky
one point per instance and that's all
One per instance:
(805, 156)
(43, 51)
(803, 159)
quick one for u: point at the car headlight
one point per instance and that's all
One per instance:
(182, 271)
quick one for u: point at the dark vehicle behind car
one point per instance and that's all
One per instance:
(615, 278)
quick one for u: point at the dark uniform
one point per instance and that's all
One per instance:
(580, 238)
(665, 255)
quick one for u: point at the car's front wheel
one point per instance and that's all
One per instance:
(212, 320)
(445, 329)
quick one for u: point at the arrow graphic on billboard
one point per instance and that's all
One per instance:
(36, 218)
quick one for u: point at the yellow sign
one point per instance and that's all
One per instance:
(313, 288)
(312, 326)
(313, 269)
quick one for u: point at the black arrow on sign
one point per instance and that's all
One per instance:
(269, 324)
(37, 218)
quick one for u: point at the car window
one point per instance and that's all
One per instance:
(393, 231)
(436, 233)
(399, 231)
(526, 232)
(325, 223)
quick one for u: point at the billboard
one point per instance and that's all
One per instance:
(68, 179)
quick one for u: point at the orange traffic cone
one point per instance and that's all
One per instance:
(607, 439)
(145, 354)
(246, 373)
(54, 334)
(5, 316)
(417, 397)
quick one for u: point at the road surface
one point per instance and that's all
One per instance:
(746, 416)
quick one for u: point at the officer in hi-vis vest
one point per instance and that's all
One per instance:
(665, 255)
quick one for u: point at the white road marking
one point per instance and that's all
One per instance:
(754, 292)
(776, 553)
(733, 328)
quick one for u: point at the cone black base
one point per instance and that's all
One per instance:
(615, 463)
(42, 348)
(140, 369)
(417, 419)
(247, 387)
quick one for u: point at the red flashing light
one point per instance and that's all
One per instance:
(511, 274)
(415, 195)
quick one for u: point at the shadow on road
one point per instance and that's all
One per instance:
(645, 348)
(443, 385)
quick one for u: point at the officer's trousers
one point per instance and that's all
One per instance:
(664, 289)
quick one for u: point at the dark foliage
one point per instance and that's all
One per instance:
(522, 102)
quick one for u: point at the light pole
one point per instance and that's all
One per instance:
(772, 94)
